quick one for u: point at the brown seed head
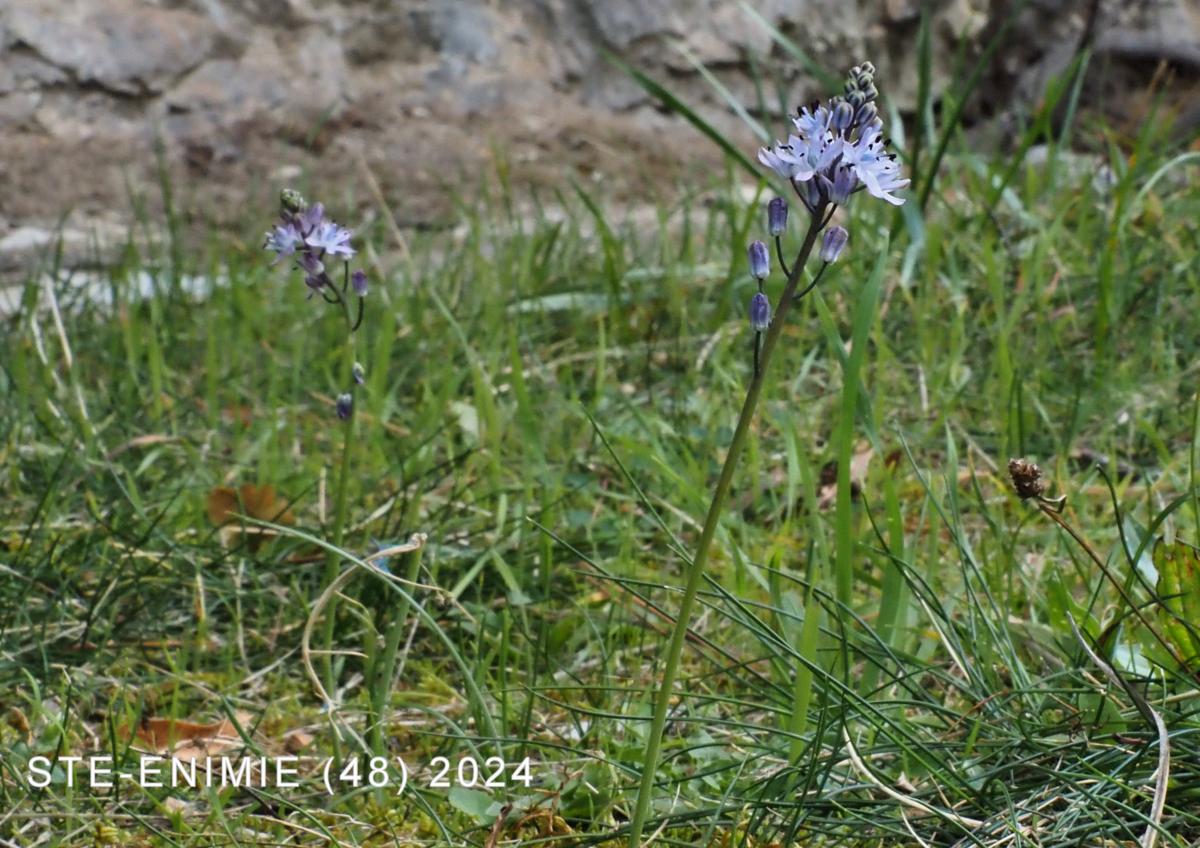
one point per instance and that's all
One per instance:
(1026, 478)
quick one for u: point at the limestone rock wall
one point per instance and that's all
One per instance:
(239, 95)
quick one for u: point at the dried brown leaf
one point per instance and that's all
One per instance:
(226, 504)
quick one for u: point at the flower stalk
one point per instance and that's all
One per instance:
(383, 667)
(340, 505)
(312, 240)
(695, 571)
(837, 151)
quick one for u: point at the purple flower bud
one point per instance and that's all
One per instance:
(760, 312)
(831, 247)
(866, 114)
(809, 192)
(843, 116)
(777, 211)
(760, 260)
(358, 373)
(845, 181)
(315, 283)
(861, 75)
(310, 264)
(345, 406)
(1104, 180)
(358, 282)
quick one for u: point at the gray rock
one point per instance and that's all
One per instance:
(465, 31)
(380, 35)
(18, 108)
(427, 88)
(1167, 29)
(623, 22)
(124, 46)
(306, 83)
(23, 70)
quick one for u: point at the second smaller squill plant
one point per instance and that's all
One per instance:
(317, 245)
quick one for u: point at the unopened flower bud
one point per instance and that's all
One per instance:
(856, 98)
(310, 263)
(831, 246)
(870, 92)
(845, 181)
(292, 201)
(809, 191)
(760, 312)
(843, 115)
(358, 282)
(867, 68)
(760, 260)
(358, 373)
(345, 406)
(866, 114)
(777, 212)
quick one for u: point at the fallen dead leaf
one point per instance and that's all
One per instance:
(296, 741)
(226, 504)
(187, 740)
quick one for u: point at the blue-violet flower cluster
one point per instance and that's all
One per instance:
(313, 240)
(838, 148)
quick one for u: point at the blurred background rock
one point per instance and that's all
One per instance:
(232, 98)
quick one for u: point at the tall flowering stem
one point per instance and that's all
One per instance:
(836, 153)
(313, 241)
(340, 505)
(695, 572)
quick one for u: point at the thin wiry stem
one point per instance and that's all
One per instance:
(695, 571)
(787, 272)
(341, 502)
(1056, 516)
(815, 280)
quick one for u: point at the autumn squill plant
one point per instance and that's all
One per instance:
(316, 245)
(838, 150)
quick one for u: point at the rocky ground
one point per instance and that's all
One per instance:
(232, 98)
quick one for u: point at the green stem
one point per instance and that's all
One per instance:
(700, 560)
(332, 560)
(381, 681)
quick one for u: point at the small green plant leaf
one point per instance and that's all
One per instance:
(1178, 567)
(478, 805)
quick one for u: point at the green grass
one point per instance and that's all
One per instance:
(549, 398)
